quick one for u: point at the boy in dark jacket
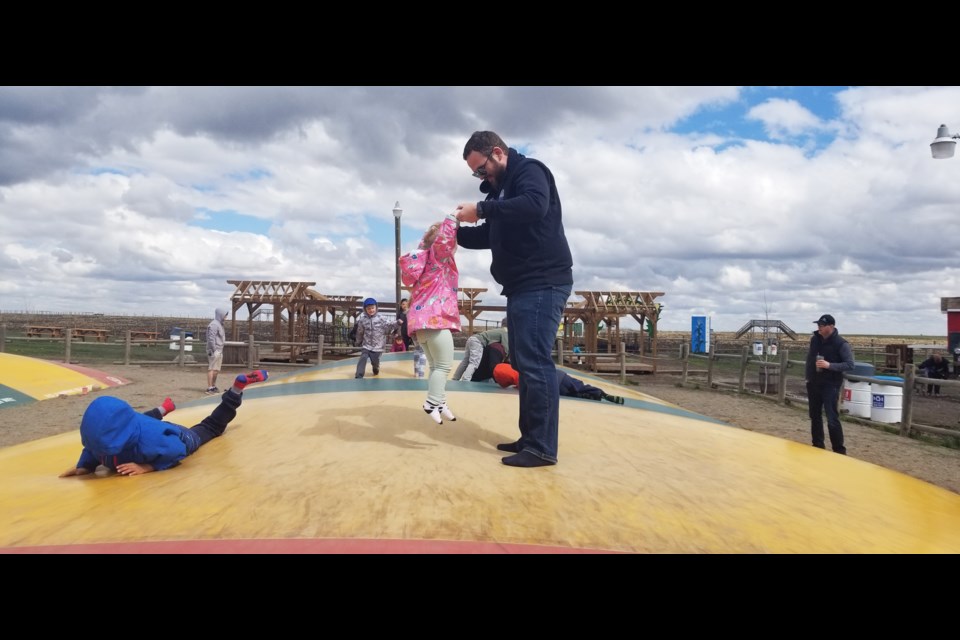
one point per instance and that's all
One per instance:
(118, 439)
(567, 385)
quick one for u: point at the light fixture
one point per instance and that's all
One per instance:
(945, 144)
(397, 212)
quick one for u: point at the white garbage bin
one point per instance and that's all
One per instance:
(857, 396)
(887, 401)
(175, 339)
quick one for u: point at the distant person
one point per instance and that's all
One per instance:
(828, 357)
(216, 335)
(398, 344)
(577, 350)
(117, 439)
(567, 385)
(936, 366)
(521, 223)
(372, 332)
(432, 274)
(473, 351)
(402, 315)
(493, 354)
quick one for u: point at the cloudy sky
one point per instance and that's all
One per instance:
(736, 202)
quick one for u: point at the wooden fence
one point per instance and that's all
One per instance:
(780, 370)
(618, 364)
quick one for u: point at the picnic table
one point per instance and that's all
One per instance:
(100, 335)
(144, 335)
(44, 332)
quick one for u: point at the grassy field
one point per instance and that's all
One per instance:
(91, 352)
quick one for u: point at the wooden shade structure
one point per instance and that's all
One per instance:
(300, 301)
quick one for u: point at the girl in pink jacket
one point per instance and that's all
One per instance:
(432, 273)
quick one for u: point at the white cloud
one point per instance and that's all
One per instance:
(735, 277)
(103, 192)
(783, 118)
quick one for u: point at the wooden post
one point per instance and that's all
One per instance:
(183, 344)
(710, 357)
(782, 384)
(320, 349)
(67, 335)
(684, 360)
(126, 348)
(623, 363)
(744, 359)
(3, 337)
(560, 351)
(252, 352)
(655, 337)
(909, 373)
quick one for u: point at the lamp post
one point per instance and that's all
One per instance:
(397, 212)
(944, 145)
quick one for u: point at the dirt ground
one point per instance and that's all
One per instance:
(934, 463)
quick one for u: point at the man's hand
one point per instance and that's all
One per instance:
(467, 212)
(76, 471)
(134, 469)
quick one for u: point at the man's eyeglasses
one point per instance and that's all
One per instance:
(481, 171)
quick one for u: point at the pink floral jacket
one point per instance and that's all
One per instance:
(432, 274)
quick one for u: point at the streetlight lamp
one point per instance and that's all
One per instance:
(944, 145)
(397, 212)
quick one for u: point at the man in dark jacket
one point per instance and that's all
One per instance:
(523, 228)
(936, 366)
(828, 357)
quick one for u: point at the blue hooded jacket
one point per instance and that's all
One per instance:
(112, 433)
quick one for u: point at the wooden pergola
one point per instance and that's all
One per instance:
(609, 307)
(284, 296)
(300, 302)
(470, 306)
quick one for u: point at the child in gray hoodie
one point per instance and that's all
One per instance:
(372, 331)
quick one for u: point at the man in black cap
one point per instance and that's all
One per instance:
(829, 356)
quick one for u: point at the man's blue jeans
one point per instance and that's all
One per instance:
(534, 317)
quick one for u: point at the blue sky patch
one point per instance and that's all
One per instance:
(730, 120)
(229, 220)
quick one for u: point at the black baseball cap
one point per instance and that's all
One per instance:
(826, 319)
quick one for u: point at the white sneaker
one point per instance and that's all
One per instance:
(433, 411)
(446, 413)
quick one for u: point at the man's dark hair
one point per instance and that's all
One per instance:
(483, 142)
